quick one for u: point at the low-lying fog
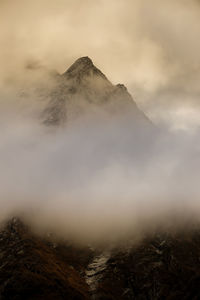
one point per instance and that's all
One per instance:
(94, 179)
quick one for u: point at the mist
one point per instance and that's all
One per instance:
(95, 179)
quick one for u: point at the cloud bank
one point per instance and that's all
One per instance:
(98, 181)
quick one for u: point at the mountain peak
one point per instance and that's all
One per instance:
(82, 67)
(81, 63)
(85, 60)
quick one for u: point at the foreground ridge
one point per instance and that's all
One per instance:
(162, 266)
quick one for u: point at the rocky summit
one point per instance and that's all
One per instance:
(84, 90)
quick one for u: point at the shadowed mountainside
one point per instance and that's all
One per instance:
(30, 268)
(163, 266)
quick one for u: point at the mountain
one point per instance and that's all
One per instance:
(163, 265)
(84, 90)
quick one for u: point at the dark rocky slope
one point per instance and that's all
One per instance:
(30, 268)
(164, 266)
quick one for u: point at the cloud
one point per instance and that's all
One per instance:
(100, 180)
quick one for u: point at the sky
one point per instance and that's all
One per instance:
(151, 46)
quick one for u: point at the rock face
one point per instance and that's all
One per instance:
(84, 89)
